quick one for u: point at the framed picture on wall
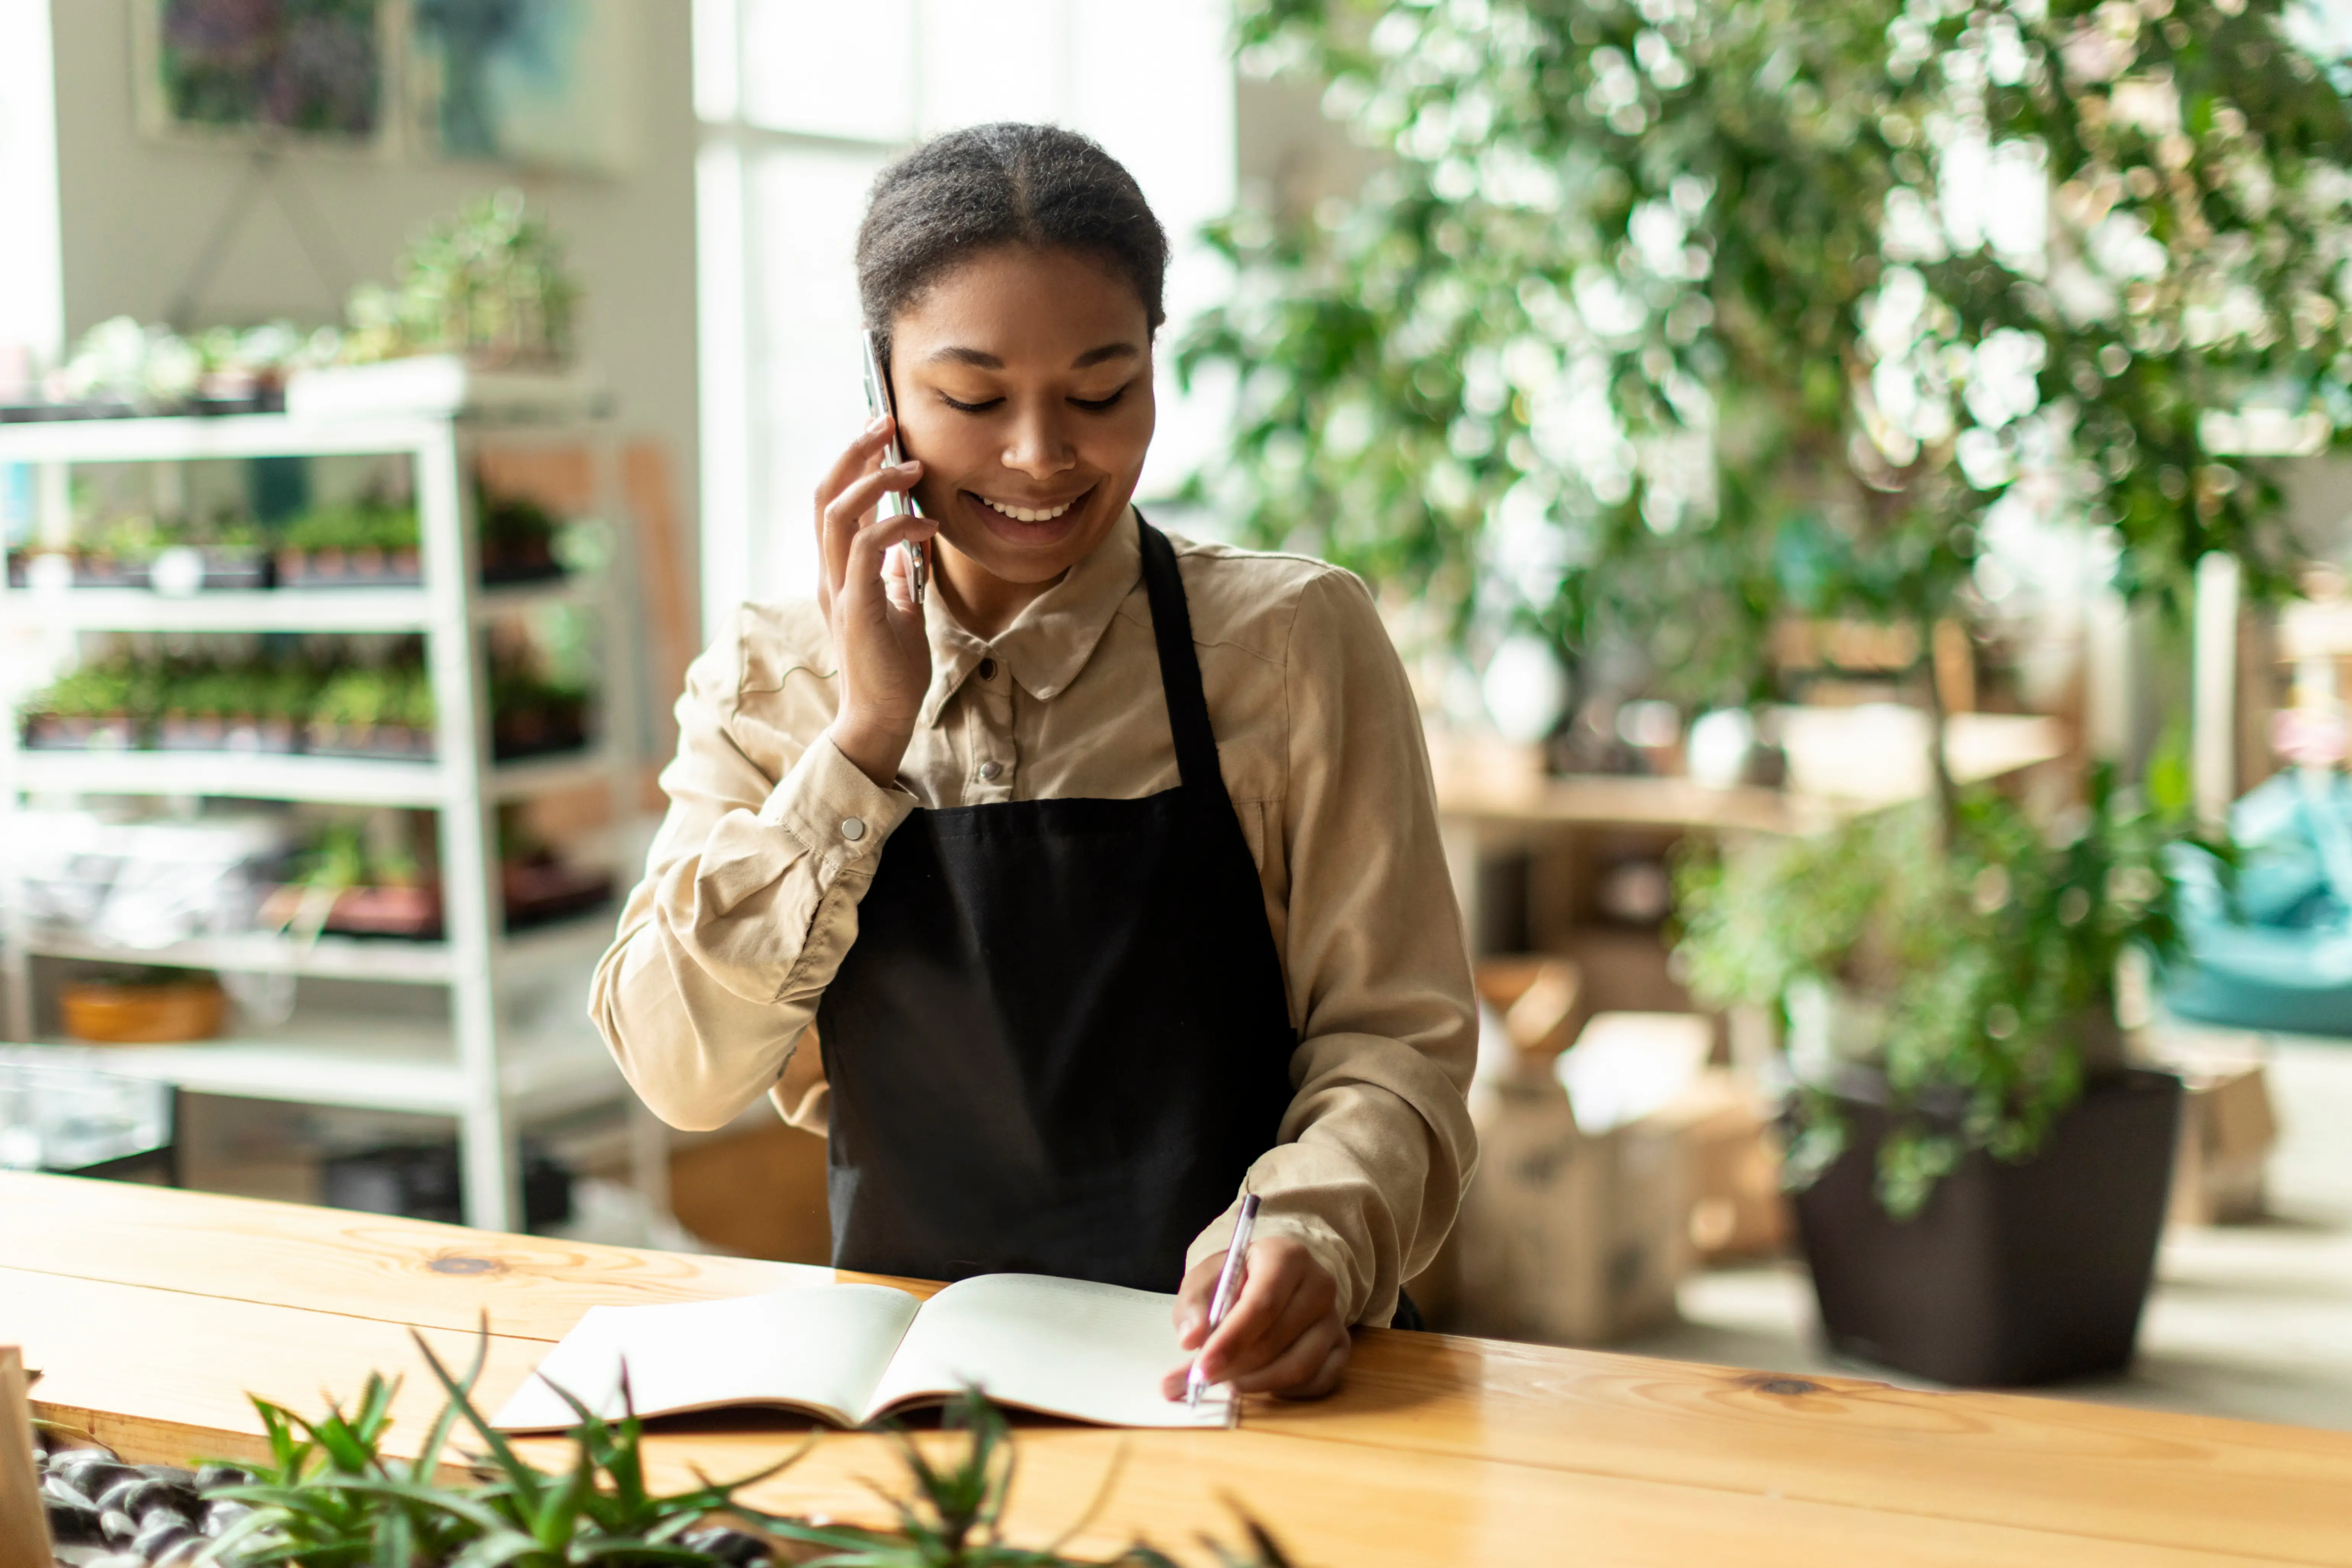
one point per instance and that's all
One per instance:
(315, 73)
(543, 84)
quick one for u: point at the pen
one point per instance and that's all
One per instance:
(1229, 1284)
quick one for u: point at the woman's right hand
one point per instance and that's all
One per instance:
(876, 626)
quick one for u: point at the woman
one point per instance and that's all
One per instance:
(1109, 875)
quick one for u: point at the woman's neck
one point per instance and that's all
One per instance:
(983, 604)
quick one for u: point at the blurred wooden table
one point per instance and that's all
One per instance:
(151, 1313)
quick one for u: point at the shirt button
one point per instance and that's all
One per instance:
(853, 829)
(988, 669)
(991, 769)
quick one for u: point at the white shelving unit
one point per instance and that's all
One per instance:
(474, 1067)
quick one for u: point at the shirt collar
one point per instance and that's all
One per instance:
(1055, 632)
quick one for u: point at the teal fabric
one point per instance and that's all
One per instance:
(2275, 952)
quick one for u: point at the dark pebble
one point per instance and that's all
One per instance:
(64, 1490)
(160, 1535)
(211, 1476)
(179, 1473)
(116, 1492)
(93, 1477)
(81, 1454)
(729, 1546)
(152, 1493)
(72, 1523)
(119, 1527)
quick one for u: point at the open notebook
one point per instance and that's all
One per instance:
(851, 1353)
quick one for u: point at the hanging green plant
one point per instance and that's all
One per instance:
(1660, 322)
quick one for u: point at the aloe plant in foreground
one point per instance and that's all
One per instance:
(328, 1497)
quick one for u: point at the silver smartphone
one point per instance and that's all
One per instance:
(895, 503)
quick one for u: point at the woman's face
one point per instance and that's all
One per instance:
(1023, 381)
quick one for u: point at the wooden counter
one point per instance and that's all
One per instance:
(151, 1313)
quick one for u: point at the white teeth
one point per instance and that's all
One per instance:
(1025, 514)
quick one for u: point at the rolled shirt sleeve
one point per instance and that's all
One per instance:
(1377, 1145)
(748, 904)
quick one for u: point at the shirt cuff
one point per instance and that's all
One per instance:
(840, 816)
(1311, 1231)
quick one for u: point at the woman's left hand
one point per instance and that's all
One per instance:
(1283, 1335)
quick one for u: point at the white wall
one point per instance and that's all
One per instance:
(136, 213)
(32, 307)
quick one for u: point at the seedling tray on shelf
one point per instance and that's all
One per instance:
(384, 742)
(350, 569)
(535, 895)
(46, 732)
(88, 571)
(276, 738)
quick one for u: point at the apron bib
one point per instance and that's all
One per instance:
(1061, 1037)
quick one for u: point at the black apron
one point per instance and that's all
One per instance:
(1061, 1037)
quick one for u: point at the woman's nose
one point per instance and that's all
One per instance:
(1039, 448)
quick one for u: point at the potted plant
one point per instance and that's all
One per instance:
(223, 706)
(96, 706)
(141, 1005)
(329, 1493)
(1980, 1175)
(534, 714)
(361, 878)
(518, 539)
(225, 553)
(363, 710)
(362, 544)
(490, 283)
(538, 886)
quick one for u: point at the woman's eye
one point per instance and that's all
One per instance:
(1096, 404)
(970, 407)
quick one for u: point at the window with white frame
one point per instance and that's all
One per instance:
(802, 102)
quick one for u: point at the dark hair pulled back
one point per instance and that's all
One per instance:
(1001, 184)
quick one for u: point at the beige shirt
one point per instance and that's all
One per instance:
(750, 893)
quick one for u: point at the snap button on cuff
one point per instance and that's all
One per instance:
(853, 829)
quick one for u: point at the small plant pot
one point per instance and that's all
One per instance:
(537, 732)
(350, 569)
(55, 732)
(384, 741)
(111, 1014)
(2012, 1274)
(410, 912)
(539, 893)
(531, 560)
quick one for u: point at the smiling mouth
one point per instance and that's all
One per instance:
(1030, 514)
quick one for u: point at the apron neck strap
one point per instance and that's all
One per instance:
(1179, 670)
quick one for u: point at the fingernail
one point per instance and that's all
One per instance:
(879, 421)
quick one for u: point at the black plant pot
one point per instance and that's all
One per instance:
(2012, 1274)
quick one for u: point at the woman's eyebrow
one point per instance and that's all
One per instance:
(980, 358)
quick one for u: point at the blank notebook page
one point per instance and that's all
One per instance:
(1068, 1346)
(825, 1346)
